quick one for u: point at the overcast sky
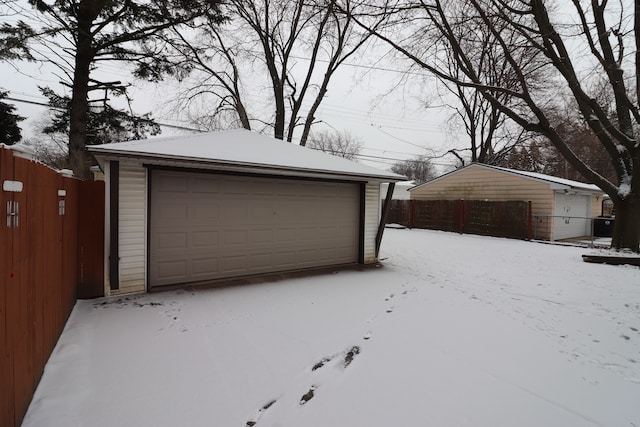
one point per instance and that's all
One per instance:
(390, 119)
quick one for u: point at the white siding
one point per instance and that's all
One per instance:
(132, 229)
(400, 191)
(371, 221)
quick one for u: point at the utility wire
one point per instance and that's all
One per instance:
(26, 101)
(377, 159)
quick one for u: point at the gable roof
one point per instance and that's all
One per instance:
(239, 149)
(554, 182)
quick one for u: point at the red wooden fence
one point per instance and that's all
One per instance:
(51, 250)
(502, 219)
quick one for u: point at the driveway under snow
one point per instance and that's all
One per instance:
(454, 330)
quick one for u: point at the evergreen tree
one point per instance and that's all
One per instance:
(9, 129)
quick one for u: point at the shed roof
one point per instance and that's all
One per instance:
(242, 150)
(554, 182)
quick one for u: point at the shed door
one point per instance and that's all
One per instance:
(572, 216)
(205, 226)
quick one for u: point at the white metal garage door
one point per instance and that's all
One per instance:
(207, 226)
(572, 213)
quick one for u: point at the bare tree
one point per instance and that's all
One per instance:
(487, 127)
(341, 144)
(606, 30)
(418, 169)
(215, 99)
(297, 44)
(540, 155)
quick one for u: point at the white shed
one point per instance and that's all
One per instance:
(214, 206)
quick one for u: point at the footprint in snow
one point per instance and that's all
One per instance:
(367, 335)
(347, 356)
(389, 310)
(351, 354)
(321, 363)
(389, 297)
(253, 422)
(307, 396)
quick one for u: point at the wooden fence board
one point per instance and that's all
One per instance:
(90, 239)
(502, 219)
(39, 273)
(7, 407)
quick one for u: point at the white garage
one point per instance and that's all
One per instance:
(211, 207)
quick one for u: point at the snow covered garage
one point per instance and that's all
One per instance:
(215, 206)
(561, 208)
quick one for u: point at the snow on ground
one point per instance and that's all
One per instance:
(454, 330)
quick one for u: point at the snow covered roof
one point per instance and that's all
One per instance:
(240, 149)
(554, 182)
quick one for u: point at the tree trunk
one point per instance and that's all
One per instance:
(79, 159)
(242, 114)
(626, 228)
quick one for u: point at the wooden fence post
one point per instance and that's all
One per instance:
(411, 205)
(529, 221)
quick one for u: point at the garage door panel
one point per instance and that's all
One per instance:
(263, 213)
(204, 185)
(261, 236)
(204, 211)
(235, 187)
(234, 264)
(205, 239)
(284, 259)
(204, 266)
(228, 226)
(286, 234)
(171, 270)
(260, 261)
(172, 184)
(261, 188)
(572, 216)
(233, 238)
(172, 240)
(171, 211)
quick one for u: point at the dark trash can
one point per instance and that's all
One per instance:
(603, 226)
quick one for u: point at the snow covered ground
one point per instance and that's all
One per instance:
(454, 330)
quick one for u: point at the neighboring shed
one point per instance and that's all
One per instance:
(201, 208)
(561, 208)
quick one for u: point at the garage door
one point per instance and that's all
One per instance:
(572, 215)
(206, 226)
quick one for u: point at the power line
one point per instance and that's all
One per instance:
(367, 67)
(42, 104)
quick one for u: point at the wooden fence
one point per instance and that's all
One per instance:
(501, 219)
(51, 251)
